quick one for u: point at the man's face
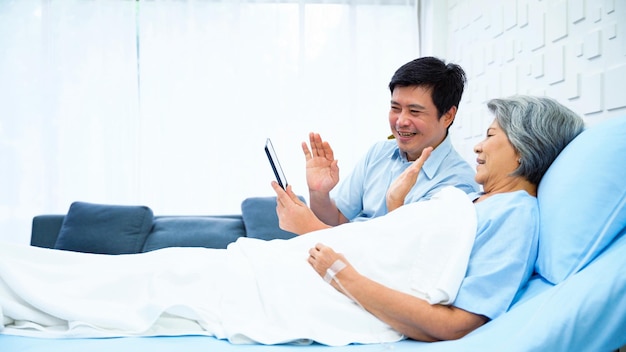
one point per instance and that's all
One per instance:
(413, 120)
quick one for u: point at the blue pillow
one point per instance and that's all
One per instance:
(260, 219)
(582, 200)
(585, 313)
(105, 229)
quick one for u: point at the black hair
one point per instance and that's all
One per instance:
(446, 81)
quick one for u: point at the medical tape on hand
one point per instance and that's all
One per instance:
(334, 269)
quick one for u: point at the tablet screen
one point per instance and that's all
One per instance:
(278, 171)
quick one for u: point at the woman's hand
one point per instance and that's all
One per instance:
(322, 258)
(411, 316)
(293, 214)
(400, 187)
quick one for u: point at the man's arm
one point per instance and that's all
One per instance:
(325, 209)
(322, 175)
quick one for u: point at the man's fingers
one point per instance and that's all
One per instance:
(426, 153)
(328, 151)
(306, 151)
(292, 195)
(284, 197)
(423, 157)
(319, 148)
(281, 196)
(313, 144)
(317, 145)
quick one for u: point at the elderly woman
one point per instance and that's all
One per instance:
(270, 292)
(524, 138)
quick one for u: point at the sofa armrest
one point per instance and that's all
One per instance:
(260, 218)
(45, 230)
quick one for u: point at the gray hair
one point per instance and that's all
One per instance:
(538, 128)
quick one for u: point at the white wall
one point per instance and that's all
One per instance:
(573, 51)
(168, 103)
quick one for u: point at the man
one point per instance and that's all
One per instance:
(425, 95)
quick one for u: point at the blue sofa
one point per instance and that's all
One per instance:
(116, 229)
(576, 300)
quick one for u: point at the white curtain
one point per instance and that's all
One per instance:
(168, 103)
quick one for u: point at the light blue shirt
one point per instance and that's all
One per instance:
(503, 255)
(361, 196)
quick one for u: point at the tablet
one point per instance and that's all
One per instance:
(278, 171)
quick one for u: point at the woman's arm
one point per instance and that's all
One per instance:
(409, 315)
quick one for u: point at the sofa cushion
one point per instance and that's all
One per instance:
(582, 200)
(260, 219)
(104, 229)
(194, 231)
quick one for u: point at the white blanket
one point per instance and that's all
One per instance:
(254, 292)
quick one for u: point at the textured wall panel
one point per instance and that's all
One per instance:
(614, 94)
(522, 13)
(621, 35)
(477, 125)
(509, 14)
(489, 54)
(591, 93)
(536, 24)
(595, 11)
(571, 50)
(538, 66)
(592, 46)
(555, 64)
(557, 24)
(576, 10)
(478, 60)
(609, 6)
(497, 20)
(509, 50)
(611, 31)
(509, 82)
(577, 49)
(572, 85)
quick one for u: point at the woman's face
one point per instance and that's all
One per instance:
(496, 158)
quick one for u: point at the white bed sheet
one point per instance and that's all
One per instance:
(254, 292)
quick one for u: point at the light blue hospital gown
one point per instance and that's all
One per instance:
(504, 253)
(361, 195)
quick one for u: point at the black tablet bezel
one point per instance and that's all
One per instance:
(278, 171)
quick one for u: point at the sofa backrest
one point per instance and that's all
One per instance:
(115, 229)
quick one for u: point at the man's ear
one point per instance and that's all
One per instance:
(448, 117)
